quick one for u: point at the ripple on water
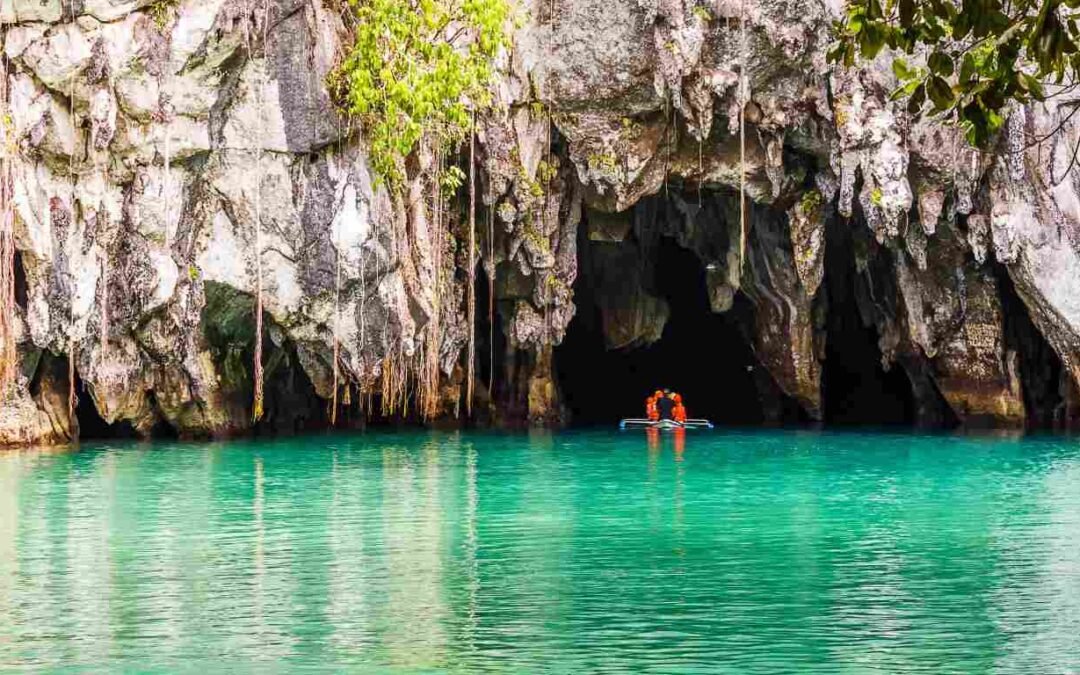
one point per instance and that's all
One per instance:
(584, 552)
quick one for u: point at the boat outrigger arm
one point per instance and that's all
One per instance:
(633, 423)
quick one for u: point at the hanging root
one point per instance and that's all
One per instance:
(337, 343)
(257, 402)
(491, 301)
(742, 136)
(8, 356)
(471, 366)
(104, 337)
(72, 399)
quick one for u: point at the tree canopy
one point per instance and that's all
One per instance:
(980, 55)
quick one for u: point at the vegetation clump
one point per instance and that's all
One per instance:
(811, 203)
(417, 70)
(981, 55)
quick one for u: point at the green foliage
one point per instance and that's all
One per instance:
(546, 171)
(605, 162)
(876, 196)
(982, 54)
(811, 202)
(416, 70)
(539, 241)
(702, 12)
(452, 179)
(160, 11)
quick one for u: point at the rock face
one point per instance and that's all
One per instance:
(163, 154)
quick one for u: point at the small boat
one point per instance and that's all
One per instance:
(664, 425)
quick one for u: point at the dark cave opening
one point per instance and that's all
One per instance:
(707, 356)
(21, 288)
(1041, 371)
(290, 404)
(701, 354)
(857, 390)
(93, 427)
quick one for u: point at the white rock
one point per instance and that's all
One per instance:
(24, 11)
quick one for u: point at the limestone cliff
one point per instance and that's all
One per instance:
(161, 150)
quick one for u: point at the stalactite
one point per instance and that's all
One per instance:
(8, 355)
(471, 366)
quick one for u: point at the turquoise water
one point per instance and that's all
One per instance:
(582, 552)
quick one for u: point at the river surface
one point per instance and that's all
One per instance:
(583, 552)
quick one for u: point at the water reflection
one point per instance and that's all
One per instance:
(577, 552)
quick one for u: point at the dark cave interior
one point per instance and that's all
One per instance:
(706, 357)
(701, 355)
(857, 390)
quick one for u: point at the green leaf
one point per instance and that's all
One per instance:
(917, 100)
(901, 70)
(940, 64)
(855, 23)
(940, 93)
(967, 68)
(1033, 86)
(871, 40)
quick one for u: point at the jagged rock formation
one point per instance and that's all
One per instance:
(153, 143)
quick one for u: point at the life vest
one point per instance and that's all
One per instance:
(650, 409)
(679, 413)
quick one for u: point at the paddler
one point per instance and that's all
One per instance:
(665, 405)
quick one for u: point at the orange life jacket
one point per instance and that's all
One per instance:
(679, 413)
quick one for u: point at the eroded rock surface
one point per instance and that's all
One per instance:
(162, 152)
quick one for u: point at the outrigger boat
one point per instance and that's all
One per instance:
(664, 425)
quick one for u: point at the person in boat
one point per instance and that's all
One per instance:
(651, 412)
(665, 405)
(678, 413)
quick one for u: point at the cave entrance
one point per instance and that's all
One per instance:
(701, 354)
(857, 389)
